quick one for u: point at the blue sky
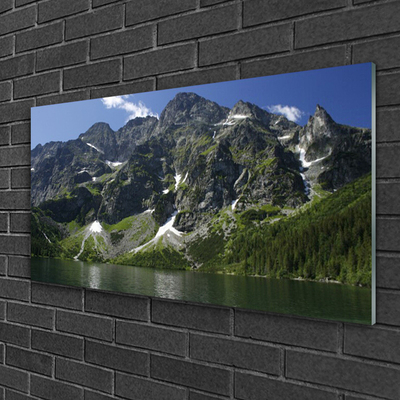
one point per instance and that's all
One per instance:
(345, 92)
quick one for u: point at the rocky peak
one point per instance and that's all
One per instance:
(319, 126)
(249, 110)
(187, 108)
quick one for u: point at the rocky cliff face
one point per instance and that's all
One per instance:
(194, 162)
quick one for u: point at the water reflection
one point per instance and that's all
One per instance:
(320, 300)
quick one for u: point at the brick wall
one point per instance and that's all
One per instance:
(70, 343)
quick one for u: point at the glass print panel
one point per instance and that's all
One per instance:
(256, 193)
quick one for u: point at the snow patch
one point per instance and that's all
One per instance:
(96, 227)
(239, 116)
(94, 179)
(32, 169)
(306, 164)
(113, 164)
(284, 137)
(149, 211)
(46, 237)
(178, 178)
(234, 202)
(165, 191)
(167, 228)
(94, 147)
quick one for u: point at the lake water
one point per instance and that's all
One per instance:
(312, 299)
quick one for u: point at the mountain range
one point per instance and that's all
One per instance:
(157, 191)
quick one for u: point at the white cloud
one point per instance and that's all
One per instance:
(133, 109)
(292, 113)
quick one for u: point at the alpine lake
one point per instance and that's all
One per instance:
(312, 299)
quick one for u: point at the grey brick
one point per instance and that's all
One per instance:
(85, 325)
(382, 52)
(274, 39)
(13, 112)
(16, 66)
(387, 308)
(103, 20)
(351, 397)
(387, 122)
(89, 395)
(281, 329)
(151, 337)
(387, 234)
(20, 222)
(6, 46)
(235, 353)
(145, 10)
(2, 310)
(251, 387)
(17, 20)
(186, 373)
(201, 396)
(145, 85)
(387, 194)
(341, 26)
(259, 11)
(386, 161)
(4, 179)
(50, 389)
(5, 91)
(92, 74)
(17, 245)
(14, 200)
(359, 376)
(124, 42)
(54, 9)
(21, 133)
(203, 318)
(118, 305)
(10, 333)
(198, 77)
(3, 222)
(19, 3)
(85, 375)
(29, 360)
(130, 387)
(388, 272)
(332, 57)
(117, 358)
(361, 1)
(56, 343)
(13, 378)
(62, 56)
(205, 3)
(63, 98)
(20, 177)
(6, 5)
(372, 343)
(3, 268)
(160, 61)
(99, 3)
(387, 89)
(12, 395)
(39, 37)
(13, 288)
(37, 85)
(5, 136)
(198, 24)
(55, 295)
(31, 315)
